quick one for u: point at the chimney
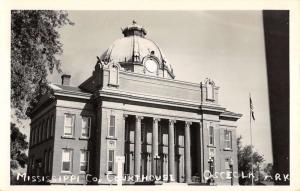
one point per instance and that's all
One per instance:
(65, 79)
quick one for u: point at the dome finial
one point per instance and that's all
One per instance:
(133, 22)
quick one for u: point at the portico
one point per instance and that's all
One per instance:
(158, 146)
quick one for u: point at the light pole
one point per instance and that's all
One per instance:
(156, 158)
(231, 168)
(210, 162)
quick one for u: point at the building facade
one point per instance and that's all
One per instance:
(132, 106)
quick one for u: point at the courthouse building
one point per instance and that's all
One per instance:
(132, 106)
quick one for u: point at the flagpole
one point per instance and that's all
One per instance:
(251, 140)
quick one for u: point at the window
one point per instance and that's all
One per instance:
(84, 160)
(131, 136)
(211, 134)
(112, 127)
(29, 164)
(110, 161)
(33, 163)
(86, 126)
(45, 162)
(50, 161)
(52, 126)
(44, 133)
(32, 136)
(228, 139)
(165, 139)
(40, 132)
(45, 130)
(68, 125)
(36, 135)
(67, 160)
(149, 138)
(48, 129)
(180, 140)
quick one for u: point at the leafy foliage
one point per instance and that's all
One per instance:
(18, 146)
(269, 169)
(35, 46)
(245, 162)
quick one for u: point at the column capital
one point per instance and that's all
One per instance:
(201, 124)
(188, 123)
(137, 117)
(172, 121)
(155, 119)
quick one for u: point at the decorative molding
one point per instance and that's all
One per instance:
(158, 115)
(156, 120)
(229, 114)
(111, 138)
(149, 99)
(188, 123)
(223, 126)
(111, 81)
(172, 122)
(124, 73)
(151, 57)
(209, 81)
(67, 137)
(125, 116)
(70, 93)
(228, 149)
(138, 118)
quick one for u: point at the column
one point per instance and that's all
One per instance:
(187, 152)
(148, 164)
(201, 153)
(171, 150)
(155, 145)
(131, 164)
(137, 146)
(127, 144)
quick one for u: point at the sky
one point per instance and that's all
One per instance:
(226, 46)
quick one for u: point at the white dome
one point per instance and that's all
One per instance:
(134, 44)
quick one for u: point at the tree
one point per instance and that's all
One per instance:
(244, 160)
(18, 147)
(35, 46)
(269, 169)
